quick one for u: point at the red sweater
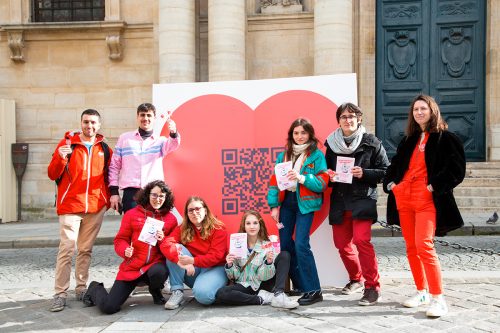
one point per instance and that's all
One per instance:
(207, 253)
(144, 255)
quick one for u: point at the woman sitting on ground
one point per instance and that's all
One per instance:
(254, 275)
(195, 255)
(142, 263)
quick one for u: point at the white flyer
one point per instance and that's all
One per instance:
(238, 245)
(343, 172)
(281, 171)
(149, 229)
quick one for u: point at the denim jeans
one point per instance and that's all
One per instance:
(303, 270)
(204, 283)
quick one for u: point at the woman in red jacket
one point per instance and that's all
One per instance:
(195, 254)
(142, 262)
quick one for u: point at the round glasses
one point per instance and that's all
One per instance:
(157, 196)
(195, 209)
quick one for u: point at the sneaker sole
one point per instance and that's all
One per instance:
(414, 306)
(346, 292)
(56, 309)
(368, 304)
(285, 307)
(171, 307)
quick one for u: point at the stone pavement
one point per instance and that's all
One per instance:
(472, 288)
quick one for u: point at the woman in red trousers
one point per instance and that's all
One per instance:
(429, 163)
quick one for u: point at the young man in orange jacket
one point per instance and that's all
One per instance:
(79, 168)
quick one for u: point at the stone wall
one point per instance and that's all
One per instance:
(67, 68)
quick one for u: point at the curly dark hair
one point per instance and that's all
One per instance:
(142, 197)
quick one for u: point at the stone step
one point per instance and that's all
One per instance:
(481, 182)
(382, 210)
(464, 201)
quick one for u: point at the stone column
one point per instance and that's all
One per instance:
(226, 40)
(493, 82)
(333, 37)
(177, 41)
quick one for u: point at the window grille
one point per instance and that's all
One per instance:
(68, 10)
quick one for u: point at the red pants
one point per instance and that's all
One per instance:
(362, 263)
(417, 215)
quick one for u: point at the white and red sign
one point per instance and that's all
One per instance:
(232, 133)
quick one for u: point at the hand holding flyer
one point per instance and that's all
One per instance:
(281, 171)
(238, 245)
(343, 172)
(149, 229)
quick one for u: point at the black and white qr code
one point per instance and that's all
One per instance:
(246, 178)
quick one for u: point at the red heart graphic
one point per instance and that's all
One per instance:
(228, 150)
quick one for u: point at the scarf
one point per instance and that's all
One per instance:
(338, 142)
(298, 156)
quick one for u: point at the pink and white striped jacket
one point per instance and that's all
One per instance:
(136, 162)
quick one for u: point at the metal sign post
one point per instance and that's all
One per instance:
(19, 160)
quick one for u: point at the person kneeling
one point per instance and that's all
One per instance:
(256, 274)
(142, 263)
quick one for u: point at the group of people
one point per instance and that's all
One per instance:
(428, 164)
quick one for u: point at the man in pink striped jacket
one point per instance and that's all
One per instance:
(138, 157)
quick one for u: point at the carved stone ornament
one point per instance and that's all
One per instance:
(402, 54)
(16, 45)
(280, 6)
(114, 46)
(456, 52)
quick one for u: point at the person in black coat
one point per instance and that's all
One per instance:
(429, 163)
(353, 205)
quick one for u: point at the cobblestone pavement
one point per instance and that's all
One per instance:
(26, 280)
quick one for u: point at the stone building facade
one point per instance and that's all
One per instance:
(53, 71)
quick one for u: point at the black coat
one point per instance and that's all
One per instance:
(361, 196)
(445, 162)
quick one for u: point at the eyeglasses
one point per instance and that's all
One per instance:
(195, 209)
(344, 118)
(157, 196)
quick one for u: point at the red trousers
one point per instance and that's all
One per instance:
(360, 263)
(417, 215)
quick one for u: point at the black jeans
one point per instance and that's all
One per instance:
(155, 278)
(239, 295)
(128, 201)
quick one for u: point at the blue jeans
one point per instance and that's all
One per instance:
(303, 270)
(204, 283)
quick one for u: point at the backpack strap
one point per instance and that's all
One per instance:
(248, 261)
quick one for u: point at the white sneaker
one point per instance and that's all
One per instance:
(175, 300)
(282, 301)
(438, 307)
(266, 296)
(421, 298)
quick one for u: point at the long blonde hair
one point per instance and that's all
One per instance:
(208, 225)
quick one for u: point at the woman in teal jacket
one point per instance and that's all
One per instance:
(293, 208)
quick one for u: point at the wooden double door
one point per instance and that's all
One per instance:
(435, 47)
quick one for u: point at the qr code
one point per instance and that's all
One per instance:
(246, 178)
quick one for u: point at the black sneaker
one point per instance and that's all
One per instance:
(311, 297)
(370, 296)
(158, 298)
(294, 292)
(352, 287)
(87, 298)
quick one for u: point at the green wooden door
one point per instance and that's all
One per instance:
(434, 47)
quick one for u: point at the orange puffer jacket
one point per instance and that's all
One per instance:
(83, 187)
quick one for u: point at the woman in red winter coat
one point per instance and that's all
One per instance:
(143, 263)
